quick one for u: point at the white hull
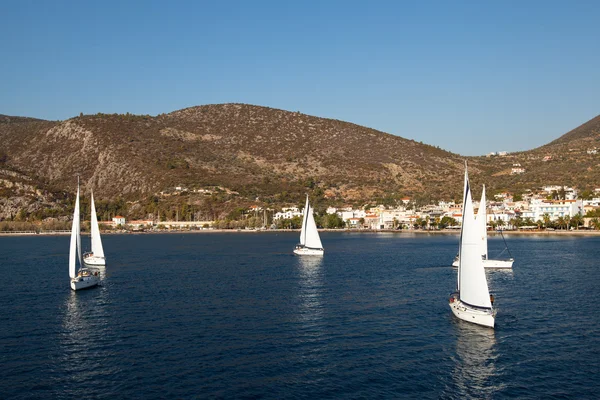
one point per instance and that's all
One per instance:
(305, 251)
(94, 261)
(492, 264)
(84, 282)
(474, 315)
(498, 264)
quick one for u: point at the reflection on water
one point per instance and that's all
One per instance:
(475, 365)
(310, 287)
(85, 336)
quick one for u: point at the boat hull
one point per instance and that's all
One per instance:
(305, 251)
(467, 313)
(94, 261)
(492, 264)
(84, 282)
(498, 264)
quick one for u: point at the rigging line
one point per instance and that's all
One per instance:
(506, 245)
(501, 234)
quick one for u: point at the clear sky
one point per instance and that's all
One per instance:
(468, 76)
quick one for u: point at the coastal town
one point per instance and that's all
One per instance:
(551, 207)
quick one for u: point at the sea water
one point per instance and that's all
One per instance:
(236, 315)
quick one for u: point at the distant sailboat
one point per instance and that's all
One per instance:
(481, 221)
(310, 242)
(96, 256)
(472, 301)
(84, 278)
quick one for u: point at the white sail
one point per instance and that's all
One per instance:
(465, 187)
(74, 238)
(304, 219)
(79, 253)
(313, 240)
(473, 284)
(96, 240)
(482, 224)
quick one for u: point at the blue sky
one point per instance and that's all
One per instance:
(468, 76)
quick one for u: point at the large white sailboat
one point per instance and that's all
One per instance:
(84, 278)
(472, 301)
(481, 221)
(310, 242)
(96, 256)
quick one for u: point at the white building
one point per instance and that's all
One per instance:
(555, 208)
(287, 213)
(119, 220)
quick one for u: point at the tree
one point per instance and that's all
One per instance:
(419, 222)
(515, 222)
(447, 221)
(576, 221)
(529, 221)
(517, 197)
(332, 221)
(547, 220)
(539, 223)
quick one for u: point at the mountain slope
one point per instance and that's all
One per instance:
(249, 149)
(270, 154)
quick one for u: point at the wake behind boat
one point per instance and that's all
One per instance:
(472, 301)
(96, 256)
(84, 278)
(310, 242)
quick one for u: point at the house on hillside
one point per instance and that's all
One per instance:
(119, 220)
(517, 169)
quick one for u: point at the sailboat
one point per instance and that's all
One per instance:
(472, 301)
(310, 242)
(481, 221)
(84, 278)
(96, 256)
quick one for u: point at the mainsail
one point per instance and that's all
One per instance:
(96, 240)
(309, 235)
(473, 284)
(482, 224)
(313, 240)
(75, 239)
(304, 219)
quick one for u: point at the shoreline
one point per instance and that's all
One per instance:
(375, 231)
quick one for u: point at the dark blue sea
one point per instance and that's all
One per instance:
(211, 315)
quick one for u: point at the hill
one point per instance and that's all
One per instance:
(241, 154)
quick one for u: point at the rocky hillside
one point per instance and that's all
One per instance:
(255, 151)
(269, 154)
(573, 160)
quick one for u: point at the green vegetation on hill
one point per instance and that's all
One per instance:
(230, 156)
